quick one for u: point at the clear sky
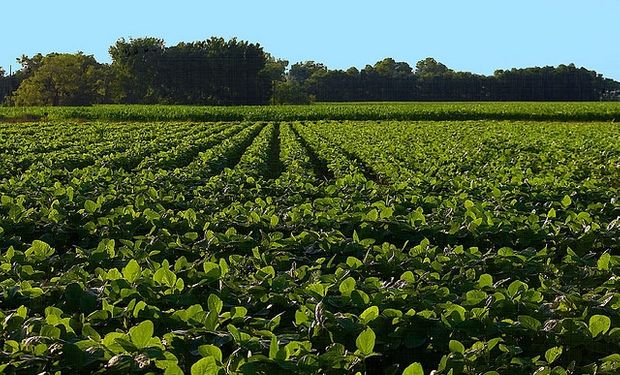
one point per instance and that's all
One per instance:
(476, 35)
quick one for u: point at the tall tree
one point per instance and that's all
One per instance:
(214, 71)
(31, 64)
(233, 72)
(275, 68)
(430, 67)
(137, 63)
(302, 71)
(388, 67)
(4, 85)
(62, 79)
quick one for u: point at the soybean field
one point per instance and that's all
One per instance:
(308, 246)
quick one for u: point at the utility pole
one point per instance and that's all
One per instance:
(10, 78)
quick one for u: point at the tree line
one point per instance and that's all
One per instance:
(430, 80)
(233, 72)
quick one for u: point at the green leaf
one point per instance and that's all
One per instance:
(373, 215)
(474, 297)
(566, 201)
(530, 322)
(90, 206)
(456, 347)
(223, 266)
(211, 321)
(153, 194)
(215, 303)
(165, 277)
(408, 276)
(599, 324)
(611, 358)
(300, 317)
(107, 246)
(356, 239)
(180, 285)
(317, 288)
(50, 331)
(354, 263)
(173, 369)
(22, 311)
(110, 341)
(151, 215)
(386, 213)
(365, 342)
(454, 313)
(496, 192)
(603, 262)
(515, 287)
(485, 280)
(552, 354)
(238, 312)
(205, 366)
(40, 250)
(165, 360)
(505, 252)
(347, 286)
(210, 351)
(212, 270)
(273, 347)
(132, 271)
(414, 369)
(90, 332)
(267, 271)
(255, 217)
(142, 334)
(369, 314)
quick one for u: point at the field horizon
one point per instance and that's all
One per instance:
(435, 111)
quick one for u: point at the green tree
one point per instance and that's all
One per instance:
(390, 68)
(31, 64)
(431, 67)
(275, 68)
(4, 85)
(289, 92)
(62, 79)
(137, 63)
(213, 71)
(302, 71)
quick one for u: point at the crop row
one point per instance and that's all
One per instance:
(327, 247)
(525, 111)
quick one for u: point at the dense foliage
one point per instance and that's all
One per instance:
(8, 84)
(146, 71)
(232, 72)
(609, 111)
(391, 247)
(64, 79)
(214, 71)
(389, 80)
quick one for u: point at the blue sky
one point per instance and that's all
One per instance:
(476, 35)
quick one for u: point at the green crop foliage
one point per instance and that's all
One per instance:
(326, 239)
(516, 111)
